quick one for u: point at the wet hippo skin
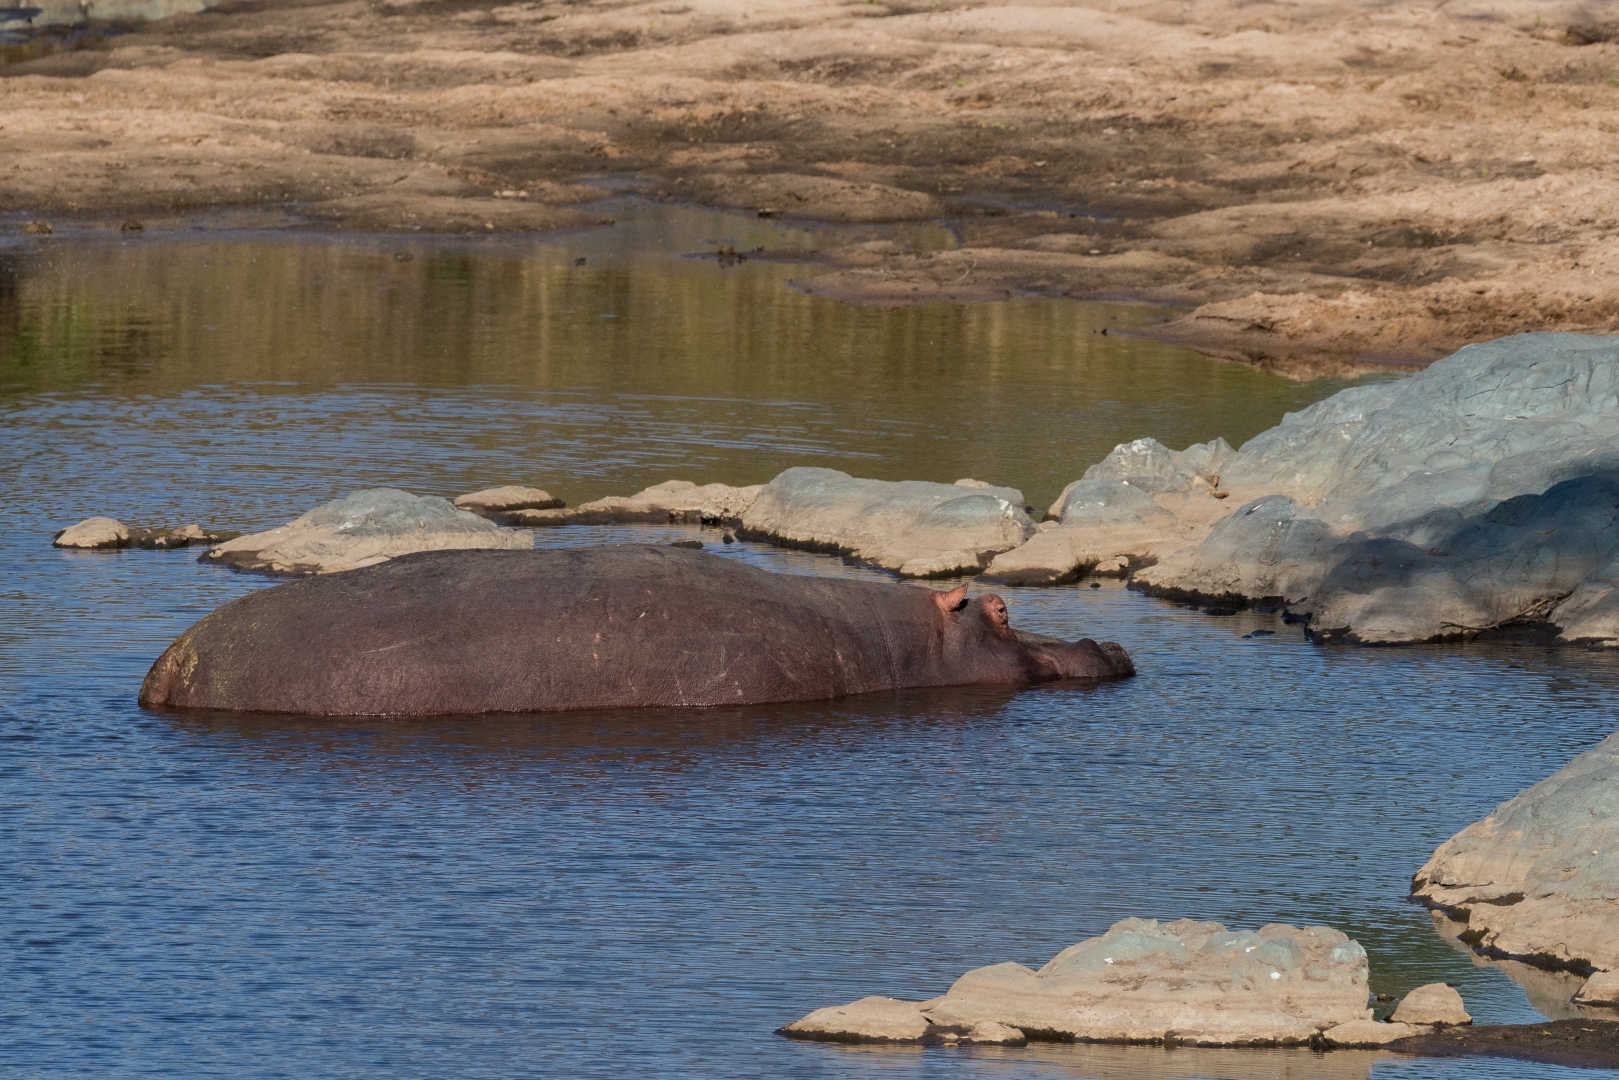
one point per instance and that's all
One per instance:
(629, 625)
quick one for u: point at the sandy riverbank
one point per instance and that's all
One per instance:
(1318, 183)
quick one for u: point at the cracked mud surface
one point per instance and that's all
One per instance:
(1321, 185)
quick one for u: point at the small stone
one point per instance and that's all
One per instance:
(1435, 1003)
(131, 226)
(1366, 1033)
(93, 534)
(37, 228)
(971, 483)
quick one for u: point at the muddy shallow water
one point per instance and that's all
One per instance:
(655, 891)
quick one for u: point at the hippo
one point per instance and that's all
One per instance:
(629, 625)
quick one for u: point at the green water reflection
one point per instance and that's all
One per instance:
(1027, 392)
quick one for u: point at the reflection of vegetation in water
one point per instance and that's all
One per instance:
(1026, 391)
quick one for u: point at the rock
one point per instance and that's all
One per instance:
(671, 502)
(1538, 878)
(1139, 502)
(1435, 1003)
(869, 1020)
(975, 484)
(361, 529)
(916, 528)
(36, 228)
(1181, 982)
(94, 534)
(187, 534)
(496, 501)
(1479, 494)
(1366, 1034)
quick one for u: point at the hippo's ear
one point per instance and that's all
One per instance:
(954, 600)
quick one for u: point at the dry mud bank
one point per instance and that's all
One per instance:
(1323, 182)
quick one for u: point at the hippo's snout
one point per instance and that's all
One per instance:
(1087, 659)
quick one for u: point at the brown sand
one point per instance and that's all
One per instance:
(1320, 183)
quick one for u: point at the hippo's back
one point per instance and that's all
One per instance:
(519, 631)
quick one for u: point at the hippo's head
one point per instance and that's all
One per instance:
(979, 635)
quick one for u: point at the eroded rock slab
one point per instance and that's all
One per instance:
(1538, 879)
(497, 501)
(915, 528)
(362, 529)
(1143, 982)
(673, 502)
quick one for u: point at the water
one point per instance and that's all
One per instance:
(655, 891)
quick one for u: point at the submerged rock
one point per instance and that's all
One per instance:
(361, 529)
(1479, 494)
(1364, 1034)
(671, 502)
(496, 501)
(186, 535)
(916, 528)
(1538, 879)
(1182, 982)
(93, 534)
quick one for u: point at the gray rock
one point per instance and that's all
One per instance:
(1269, 550)
(1453, 575)
(1183, 982)
(1140, 502)
(1435, 1003)
(93, 534)
(361, 529)
(916, 528)
(495, 501)
(1538, 879)
(1479, 494)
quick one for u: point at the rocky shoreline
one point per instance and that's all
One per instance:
(1477, 498)
(1323, 188)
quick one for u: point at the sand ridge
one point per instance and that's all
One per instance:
(1322, 185)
